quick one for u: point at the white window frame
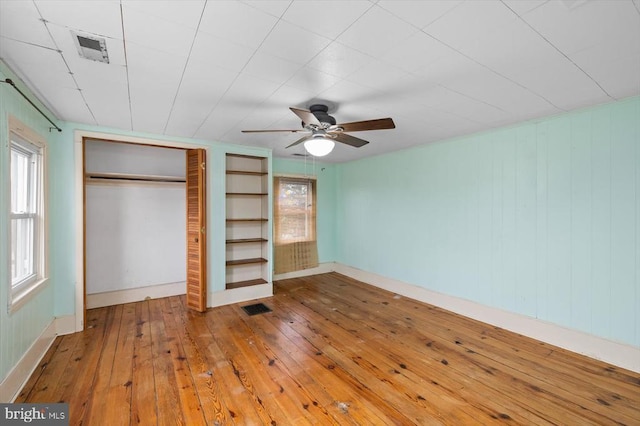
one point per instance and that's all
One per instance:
(27, 142)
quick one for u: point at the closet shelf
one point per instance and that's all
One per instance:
(257, 219)
(260, 194)
(246, 283)
(246, 261)
(247, 240)
(246, 172)
(132, 177)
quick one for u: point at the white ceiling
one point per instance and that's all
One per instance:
(208, 68)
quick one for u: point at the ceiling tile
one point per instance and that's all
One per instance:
(70, 105)
(246, 93)
(349, 93)
(274, 8)
(448, 100)
(223, 118)
(619, 77)
(610, 23)
(238, 22)
(187, 115)
(250, 89)
(343, 14)
(27, 60)
(145, 70)
(482, 84)
(561, 83)
(154, 77)
(522, 7)
(376, 32)
(20, 20)
(311, 80)
(156, 33)
(270, 67)
(293, 43)
(288, 96)
(339, 60)
(115, 113)
(259, 118)
(490, 33)
(381, 74)
(417, 52)
(419, 13)
(95, 17)
(149, 110)
(216, 51)
(201, 89)
(184, 13)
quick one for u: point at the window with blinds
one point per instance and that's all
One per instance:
(294, 224)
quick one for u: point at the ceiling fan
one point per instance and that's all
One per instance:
(322, 130)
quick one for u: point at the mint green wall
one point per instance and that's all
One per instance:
(326, 200)
(541, 219)
(21, 328)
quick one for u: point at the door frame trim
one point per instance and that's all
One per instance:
(78, 138)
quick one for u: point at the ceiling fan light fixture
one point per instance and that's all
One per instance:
(319, 146)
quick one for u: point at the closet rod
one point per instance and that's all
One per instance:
(9, 81)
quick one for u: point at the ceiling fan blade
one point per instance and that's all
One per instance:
(299, 141)
(270, 131)
(307, 117)
(348, 139)
(359, 126)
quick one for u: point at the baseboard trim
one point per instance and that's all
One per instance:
(619, 354)
(20, 373)
(242, 294)
(109, 298)
(322, 268)
(65, 325)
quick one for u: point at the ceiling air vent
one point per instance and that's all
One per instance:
(91, 47)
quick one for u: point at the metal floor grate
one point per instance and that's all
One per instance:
(258, 308)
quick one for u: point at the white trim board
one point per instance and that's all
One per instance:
(12, 385)
(619, 354)
(322, 268)
(237, 295)
(117, 297)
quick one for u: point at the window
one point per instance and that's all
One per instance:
(295, 224)
(26, 213)
(295, 210)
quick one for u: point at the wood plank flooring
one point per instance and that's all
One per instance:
(333, 351)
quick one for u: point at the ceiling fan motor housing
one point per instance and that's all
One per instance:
(321, 113)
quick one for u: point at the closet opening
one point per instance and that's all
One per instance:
(144, 223)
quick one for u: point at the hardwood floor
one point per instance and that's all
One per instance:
(333, 351)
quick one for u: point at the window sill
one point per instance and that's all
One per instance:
(20, 299)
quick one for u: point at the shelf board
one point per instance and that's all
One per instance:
(246, 261)
(247, 240)
(133, 177)
(247, 172)
(247, 283)
(259, 194)
(254, 157)
(258, 219)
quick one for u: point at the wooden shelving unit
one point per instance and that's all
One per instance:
(247, 240)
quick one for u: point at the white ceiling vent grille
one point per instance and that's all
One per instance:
(91, 47)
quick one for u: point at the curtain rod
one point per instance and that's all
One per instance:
(9, 81)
